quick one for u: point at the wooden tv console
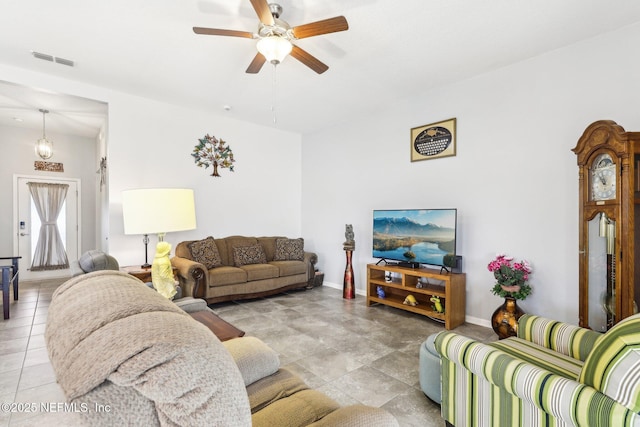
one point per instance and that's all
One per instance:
(449, 287)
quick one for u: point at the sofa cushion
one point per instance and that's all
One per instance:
(562, 337)
(254, 358)
(290, 268)
(269, 245)
(244, 255)
(542, 357)
(357, 415)
(225, 275)
(205, 252)
(299, 409)
(260, 271)
(289, 249)
(613, 366)
(274, 387)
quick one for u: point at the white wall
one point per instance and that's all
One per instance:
(18, 156)
(102, 204)
(514, 179)
(149, 144)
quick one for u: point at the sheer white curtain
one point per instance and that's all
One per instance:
(49, 199)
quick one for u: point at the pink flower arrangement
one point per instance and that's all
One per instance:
(511, 277)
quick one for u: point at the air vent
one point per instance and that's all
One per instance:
(42, 56)
(63, 61)
(51, 58)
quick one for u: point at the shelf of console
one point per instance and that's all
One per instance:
(431, 289)
(398, 303)
(423, 284)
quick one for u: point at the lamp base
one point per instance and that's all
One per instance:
(145, 240)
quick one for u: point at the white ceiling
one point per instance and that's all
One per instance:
(392, 50)
(20, 105)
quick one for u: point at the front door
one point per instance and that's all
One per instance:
(27, 226)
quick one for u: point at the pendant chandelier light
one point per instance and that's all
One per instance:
(44, 146)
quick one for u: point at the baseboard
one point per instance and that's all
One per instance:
(478, 321)
(339, 287)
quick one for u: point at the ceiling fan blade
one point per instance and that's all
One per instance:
(309, 60)
(219, 32)
(262, 9)
(331, 25)
(256, 64)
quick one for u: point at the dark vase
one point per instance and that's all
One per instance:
(348, 286)
(504, 320)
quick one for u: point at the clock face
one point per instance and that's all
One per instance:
(603, 178)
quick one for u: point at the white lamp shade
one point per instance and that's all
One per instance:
(158, 210)
(274, 48)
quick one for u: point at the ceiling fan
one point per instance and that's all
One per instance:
(276, 37)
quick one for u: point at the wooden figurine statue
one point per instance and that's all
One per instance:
(437, 305)
(350, 243)
(410, 300)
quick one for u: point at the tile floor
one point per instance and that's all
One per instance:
(353, 353)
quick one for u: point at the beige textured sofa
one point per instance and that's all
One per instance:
(124, 355)
(240, 267)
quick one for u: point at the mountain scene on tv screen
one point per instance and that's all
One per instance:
(405, 239)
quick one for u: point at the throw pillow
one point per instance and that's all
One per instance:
(244, 255)
(289, 249)
(205, 252)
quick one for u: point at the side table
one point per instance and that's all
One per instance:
(9, 274)
(143, 274)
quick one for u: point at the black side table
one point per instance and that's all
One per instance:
(9, 274)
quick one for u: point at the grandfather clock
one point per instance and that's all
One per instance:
(609, 186)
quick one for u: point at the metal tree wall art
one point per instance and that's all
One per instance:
(212, 151)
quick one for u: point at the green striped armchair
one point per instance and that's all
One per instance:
(551, 374)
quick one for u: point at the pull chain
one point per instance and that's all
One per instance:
(273, 95)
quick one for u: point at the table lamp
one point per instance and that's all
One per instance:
(157, 211)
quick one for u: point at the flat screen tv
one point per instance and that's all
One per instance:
(414, 236)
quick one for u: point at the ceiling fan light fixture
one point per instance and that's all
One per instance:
(274, 48)
(275, 37)
(44, 146)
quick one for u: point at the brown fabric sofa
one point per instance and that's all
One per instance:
(115, 342)
(240, 267)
